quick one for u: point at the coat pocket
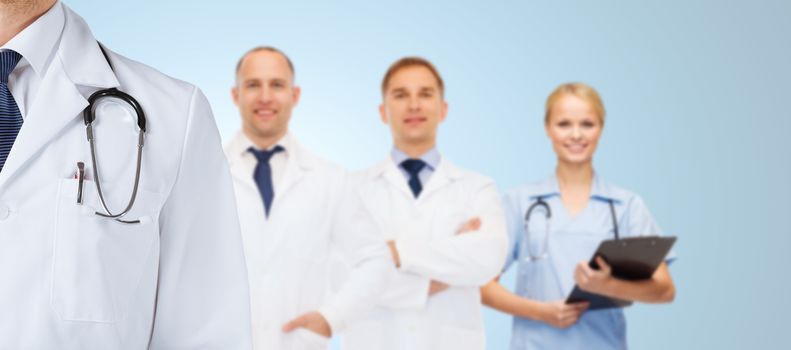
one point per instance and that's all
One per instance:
(99, 262)
(368, 334)
(306, 339)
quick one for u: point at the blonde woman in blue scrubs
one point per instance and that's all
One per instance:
(572, 212)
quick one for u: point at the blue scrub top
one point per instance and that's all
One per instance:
(569, 241)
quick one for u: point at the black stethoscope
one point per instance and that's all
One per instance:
(541, 203)
(89, 115)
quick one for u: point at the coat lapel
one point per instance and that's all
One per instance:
(56, 104)
(445, 174)
(240, 170)
(396, 179)
(297, 166)
(291, 176)
(78, 62)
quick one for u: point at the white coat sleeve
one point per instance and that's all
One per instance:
(202, 294)
(469, 259)
(406, 291)
(358, 240)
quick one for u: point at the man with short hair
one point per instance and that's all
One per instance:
(295, 209)
(443, 224)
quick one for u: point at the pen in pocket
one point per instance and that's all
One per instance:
(80, 178)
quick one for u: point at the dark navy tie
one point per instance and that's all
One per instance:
(413, 168)
(10, 117)
(263, 175)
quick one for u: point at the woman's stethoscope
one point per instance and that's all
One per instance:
(540, 202)
(89, 115)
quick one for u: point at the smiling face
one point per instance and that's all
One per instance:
(413, 107)
(574, 127)
(265, 95)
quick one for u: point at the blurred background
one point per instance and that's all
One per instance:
(694, 93)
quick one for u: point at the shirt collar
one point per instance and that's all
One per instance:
(37, 42)
(603, 191)
(431, 157)
(547, 188)
(599, 189)
(286, 142)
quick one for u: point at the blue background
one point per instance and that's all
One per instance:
(696, 92)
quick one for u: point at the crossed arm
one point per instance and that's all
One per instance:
(467, 256)
(435, 286)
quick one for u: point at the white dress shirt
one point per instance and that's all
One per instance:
(278, 161)
(36, 44)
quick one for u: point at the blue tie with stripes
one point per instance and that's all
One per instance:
(10, 117)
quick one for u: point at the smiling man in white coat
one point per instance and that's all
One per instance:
(172, 274)
(444, 225)
(295, 209)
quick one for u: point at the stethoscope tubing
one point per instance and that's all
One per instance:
(540, 202)
(89, 116)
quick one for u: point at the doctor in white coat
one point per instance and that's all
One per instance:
(295, 209)
(72, 279)
(444, 225)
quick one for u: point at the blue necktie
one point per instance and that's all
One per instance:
(263, 175)
(413, 168)
(10, 117)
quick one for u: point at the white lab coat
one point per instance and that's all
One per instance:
(73, 280)
(314, 215)
(425, 232)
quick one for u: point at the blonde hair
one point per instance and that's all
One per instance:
(580, 90)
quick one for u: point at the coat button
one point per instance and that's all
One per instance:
(4, 212)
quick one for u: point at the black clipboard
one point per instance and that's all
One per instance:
(633, 258)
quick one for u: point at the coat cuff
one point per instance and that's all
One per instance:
(409, 254)
(406, 291)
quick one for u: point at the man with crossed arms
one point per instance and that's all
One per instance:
(444, 226)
